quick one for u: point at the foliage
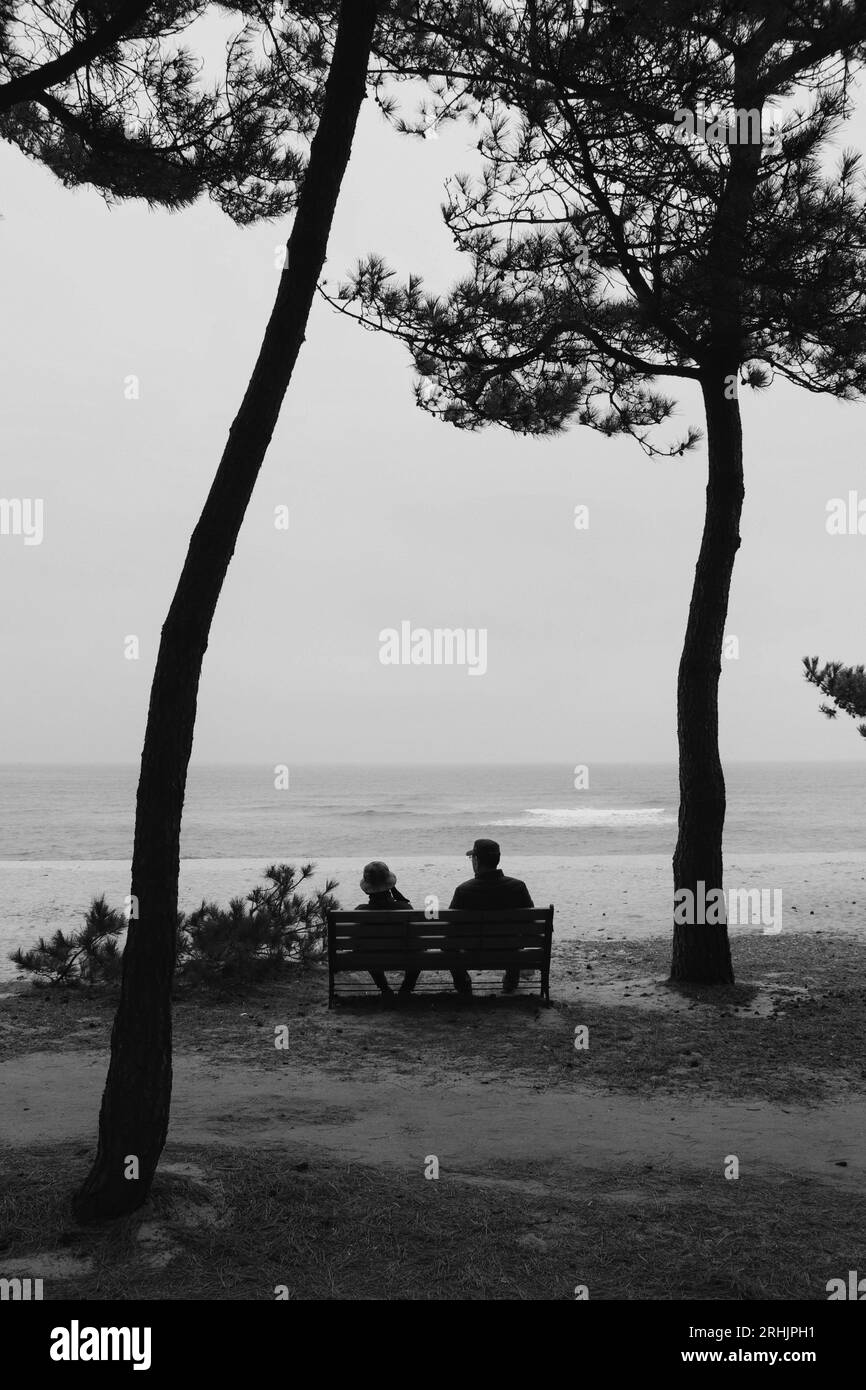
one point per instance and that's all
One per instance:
(135, 99)
(91, 953)
(275, 925)
(844, 685)
(605, 249)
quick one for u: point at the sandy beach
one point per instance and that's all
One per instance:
(606, 896)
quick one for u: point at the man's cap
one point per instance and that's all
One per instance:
(485, 849)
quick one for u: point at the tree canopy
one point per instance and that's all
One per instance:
(607, 245)
(167, 101)
(844, 685)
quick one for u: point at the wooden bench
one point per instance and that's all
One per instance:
(515, 938)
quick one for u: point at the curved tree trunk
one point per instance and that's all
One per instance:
(701, 951)
(133, 1120)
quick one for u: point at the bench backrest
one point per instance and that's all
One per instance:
(454, 938)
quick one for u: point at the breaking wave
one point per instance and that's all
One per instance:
(587, 817)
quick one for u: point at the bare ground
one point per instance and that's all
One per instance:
(673, 1085)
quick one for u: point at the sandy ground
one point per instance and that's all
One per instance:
(675, 1084)
(596, 897)
(468, 1123)
(493, 1088)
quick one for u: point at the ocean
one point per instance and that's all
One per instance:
(601, 854)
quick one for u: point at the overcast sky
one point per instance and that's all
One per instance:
(393, 515)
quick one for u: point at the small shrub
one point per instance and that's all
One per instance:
(89, 954)
(277, 924)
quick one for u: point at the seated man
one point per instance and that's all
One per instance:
(491, 889)
(378, 883)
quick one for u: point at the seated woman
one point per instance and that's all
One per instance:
(379, 885)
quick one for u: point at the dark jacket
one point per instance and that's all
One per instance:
(491, 889)
(384, 902)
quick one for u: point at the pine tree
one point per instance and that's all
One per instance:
(88, 954)
(645, 212)
(136, 1102)
(844, 685)
(113, 95)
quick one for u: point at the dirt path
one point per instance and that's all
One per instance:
(386, 1118)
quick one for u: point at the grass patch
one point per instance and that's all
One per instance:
(252, 1221)
(808, 1049)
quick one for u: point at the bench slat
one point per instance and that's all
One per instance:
(409, 931)
(441, 960)
(433, 943)
(374, 944)
(510, 942)
(514, 914)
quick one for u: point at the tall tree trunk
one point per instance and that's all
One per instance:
(701, 951)
(133, 1120)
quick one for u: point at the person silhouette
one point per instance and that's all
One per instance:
(383, 896)
(490, 888)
